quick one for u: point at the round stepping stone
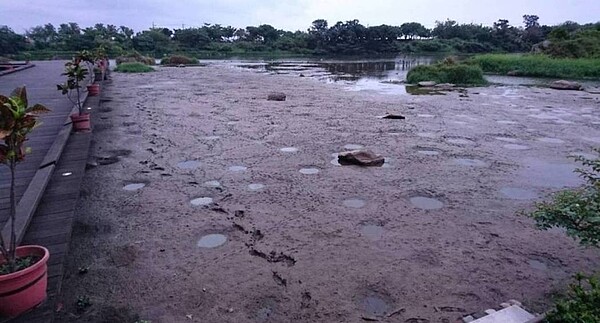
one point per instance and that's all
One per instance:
(238, 169)
(289, 150)
(354, 203)
(426, 203)
(211, 241)
(201, 201)
(310, 171)
(256, 187)
(189, 164)
(134, 186)
(515, 147)
(212, 184)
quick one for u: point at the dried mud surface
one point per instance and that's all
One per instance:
(339, 244)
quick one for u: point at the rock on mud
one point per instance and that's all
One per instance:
(565, 85)
(276, 96)
(360, 158)
(426, 83)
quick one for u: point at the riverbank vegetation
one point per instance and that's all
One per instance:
(460, 74)
(135, 67)
(342, 38)
(538, 65)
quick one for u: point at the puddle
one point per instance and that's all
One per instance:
(310, 171)
(256, 187)
(374, 306)
(551, 140)
(211, 241)
(372, 232)
(506, 139)
(515, 147)
(547, 174)
(425, 115)
(518, 193)
(426, 203)
(535, 264)
(289, 150)
(202, 201)
(354, 203)
(189, 164)
(459, 141)
(470, 162)
(238, 169)
(134, 186)
(430, 135)
(212, 184)
(353, 147)
(210, 138)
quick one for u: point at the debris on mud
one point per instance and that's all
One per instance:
(360, 158)
(276, 96)
(274, 257)
(392, 116)
(565, 85)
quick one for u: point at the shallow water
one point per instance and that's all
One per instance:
(354, 203)
(134, 186)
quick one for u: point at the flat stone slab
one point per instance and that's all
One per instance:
(512, 314)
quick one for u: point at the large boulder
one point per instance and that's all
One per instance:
(276, 96)
(361, 158)
(565, 85)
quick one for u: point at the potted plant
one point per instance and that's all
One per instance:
(23, 270)
(75, 74)
(89, 59)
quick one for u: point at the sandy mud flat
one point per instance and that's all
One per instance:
(211, 204)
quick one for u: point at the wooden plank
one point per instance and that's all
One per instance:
(28, 204)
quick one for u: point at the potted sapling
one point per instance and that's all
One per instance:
(75, 74)
(23, 269)
(89, 59)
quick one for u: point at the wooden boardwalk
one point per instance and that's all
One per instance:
(51, 175)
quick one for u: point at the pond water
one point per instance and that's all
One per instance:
(385, 75)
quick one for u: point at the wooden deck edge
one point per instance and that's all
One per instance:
(14, 70)
(32, 196)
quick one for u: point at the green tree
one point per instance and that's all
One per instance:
(10, 42)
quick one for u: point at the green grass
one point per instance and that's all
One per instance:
(538, 65)
(459, 74)
(133, 68)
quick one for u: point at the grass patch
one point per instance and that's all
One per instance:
(179, 59)
(538, 65)
(133, 68)
(460, 74)
(135, 57)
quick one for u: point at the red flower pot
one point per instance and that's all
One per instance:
(81, 122)
(24, 289)
(93, 89)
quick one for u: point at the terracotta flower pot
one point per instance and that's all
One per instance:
(93, 89)
(24, 289)
(81, 122)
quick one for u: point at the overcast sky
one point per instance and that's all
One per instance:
(287, 14)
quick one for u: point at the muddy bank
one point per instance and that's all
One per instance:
(211, 204)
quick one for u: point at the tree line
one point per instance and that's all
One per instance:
(343, 38)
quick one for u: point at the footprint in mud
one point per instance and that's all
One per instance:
(189, 164)
(515, 193)
(108, 160)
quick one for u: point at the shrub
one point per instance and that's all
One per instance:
(133, 68)
(581, 305)
(461, 74)
(134, 57)
(178, 59)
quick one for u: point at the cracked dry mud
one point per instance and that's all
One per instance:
(294, 251)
